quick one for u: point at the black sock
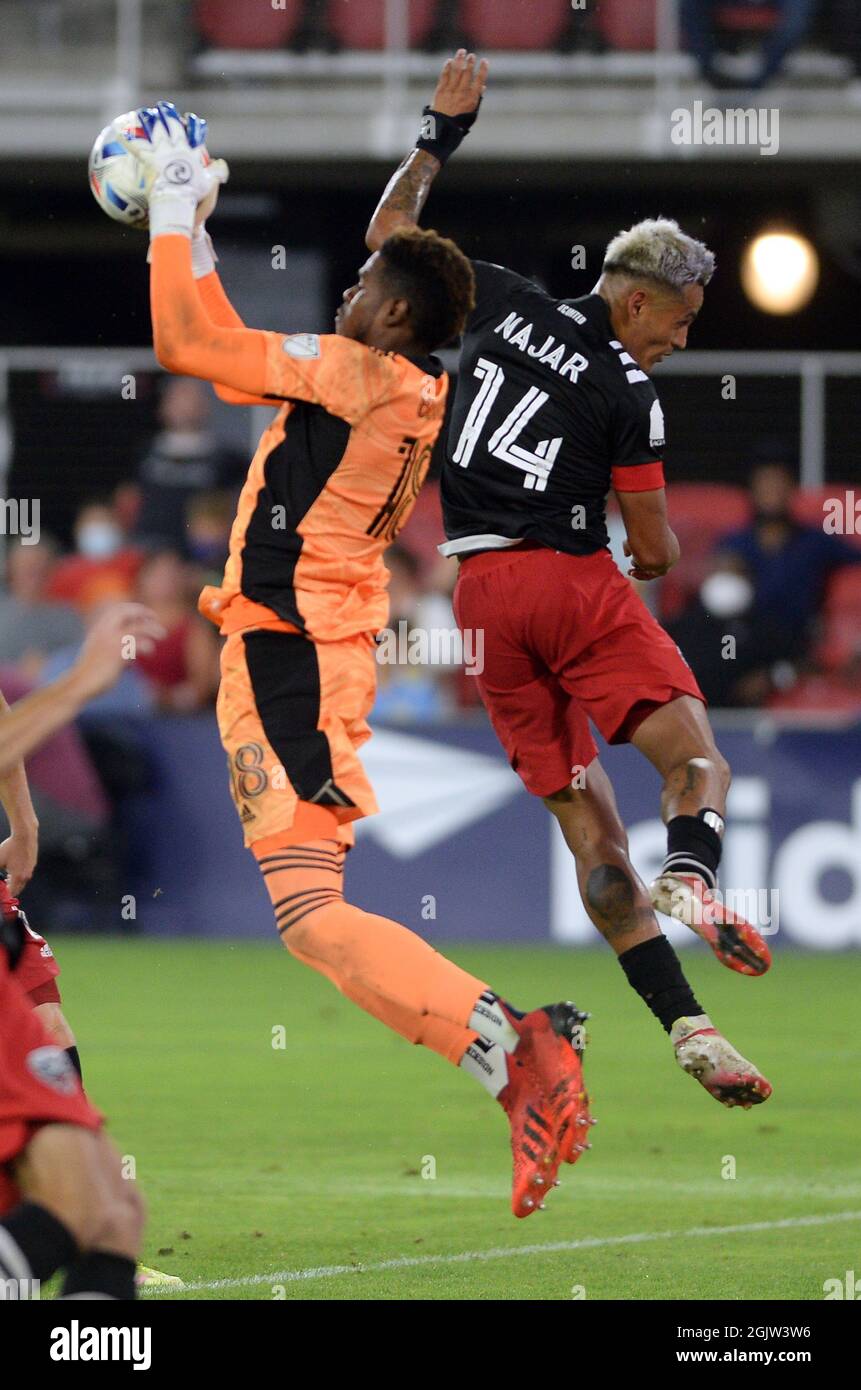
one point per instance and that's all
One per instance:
(654, 971)
(100, 1274)
(33, 1243)
(694, 845)
(74, 1058)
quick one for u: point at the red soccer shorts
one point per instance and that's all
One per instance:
(37, 970)
(38, 1084)
(566, 640)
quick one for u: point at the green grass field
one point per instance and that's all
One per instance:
(297, 1172)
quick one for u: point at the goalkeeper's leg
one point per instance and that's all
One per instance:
(529, 1062)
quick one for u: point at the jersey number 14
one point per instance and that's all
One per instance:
(535, 463)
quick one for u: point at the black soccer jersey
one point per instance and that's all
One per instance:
(550, 412)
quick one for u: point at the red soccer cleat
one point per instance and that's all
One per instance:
(734, 941)
(568, 1094)
(545, 1101)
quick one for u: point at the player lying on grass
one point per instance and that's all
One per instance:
(333, 480)
(64, 1202)
(554, 406)
(37, 969)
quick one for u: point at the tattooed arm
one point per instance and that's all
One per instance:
(458, 95)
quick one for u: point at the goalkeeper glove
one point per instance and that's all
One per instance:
(178, 171)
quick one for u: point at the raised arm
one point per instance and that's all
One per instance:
(454, 110)
(185, 338)
(19, 852)
(220, 311)
(115, 637)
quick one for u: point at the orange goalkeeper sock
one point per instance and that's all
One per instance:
(388, 971)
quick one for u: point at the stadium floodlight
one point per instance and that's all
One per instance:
(780, 272)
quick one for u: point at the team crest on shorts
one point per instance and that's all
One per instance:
(302, 345)
(52, 1067)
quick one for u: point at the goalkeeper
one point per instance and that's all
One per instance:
(333, 480)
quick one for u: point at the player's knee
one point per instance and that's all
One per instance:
(119, 1225)
(52, 1019)
(298, 937)
(724, 771)
(706, 767)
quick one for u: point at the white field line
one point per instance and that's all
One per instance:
(441, 1189)
(292, 1276)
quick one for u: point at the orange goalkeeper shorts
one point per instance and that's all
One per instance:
(292, 714)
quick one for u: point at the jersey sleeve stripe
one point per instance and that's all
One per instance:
(638, 477)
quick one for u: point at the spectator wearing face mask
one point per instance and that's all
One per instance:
(103, 566)
(31, 626)
(738, 655)
(183, 459)
(788, 563)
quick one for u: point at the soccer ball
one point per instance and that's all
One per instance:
(117, 178)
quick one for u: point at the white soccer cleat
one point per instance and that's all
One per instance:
(706, 1054)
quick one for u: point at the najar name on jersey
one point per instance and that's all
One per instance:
(558, 356)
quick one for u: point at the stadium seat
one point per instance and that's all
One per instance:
(628, 26)
(844, 590)
(820, 693)
(840, 625)
(505, 24)
(362, 23)
(809, 507)
(224, 24)
(744, 20)
(700, 514)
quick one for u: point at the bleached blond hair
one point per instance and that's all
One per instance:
(659, 250)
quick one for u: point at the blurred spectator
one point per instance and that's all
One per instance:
(738, 654)
(838, 692)
(182, 669)
(103, 566)
(409, 690)
(788, 563)
(32, 627)
(699, 22)
(209, 518)
(183, 459)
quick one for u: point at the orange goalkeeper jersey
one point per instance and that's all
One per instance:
(335, 475)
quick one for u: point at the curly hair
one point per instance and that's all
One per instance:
(436, 278)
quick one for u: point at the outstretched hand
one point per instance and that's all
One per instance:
(114, 640)
(461, 85)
